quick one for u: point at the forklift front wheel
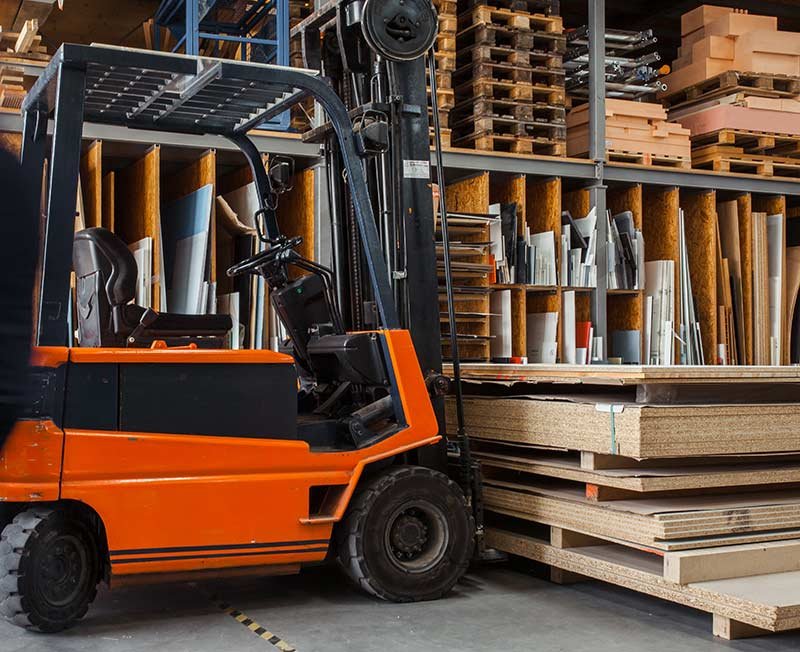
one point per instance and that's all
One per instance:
(407, 535)
(49, 570)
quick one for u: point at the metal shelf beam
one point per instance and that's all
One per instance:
(266, 142)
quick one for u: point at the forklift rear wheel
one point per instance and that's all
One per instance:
(49, 570)
(407, 535)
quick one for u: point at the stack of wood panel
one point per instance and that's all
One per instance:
(445, 49)
(509, 80)
(679, 485)
(636, 132)
(734, 85)
(17, 48)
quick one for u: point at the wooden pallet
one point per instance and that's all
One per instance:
(446, 6)
(482, 14)
(525, 111)
(509, 56)
(732, 82)
(505, 90)
(546, 7)
(752, 142)
(445, 61)
(488, 141)
(740, 606)
(502, 126)
(446, 135)
(640, 158)
(511, 73)
(518, 39)
(722, 158)
(448, 23)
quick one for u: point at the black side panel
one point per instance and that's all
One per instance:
(92, 397)
(228, 400)
(45, 394)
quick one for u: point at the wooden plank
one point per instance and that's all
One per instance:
(138, 208)
(92, 184)
(689, 566)
(296, 212)
(26, 36)
(109, 185)
(731, 630)
(38, 10)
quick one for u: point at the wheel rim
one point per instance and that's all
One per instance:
(62, 574)
(417, 536)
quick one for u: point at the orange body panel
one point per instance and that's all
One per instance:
(174, 503)
(30, 462)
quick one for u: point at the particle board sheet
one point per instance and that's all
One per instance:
(701, 239)
(770, 602)
(626, 375)
(649, 522)
(631, 430)
(645, 480)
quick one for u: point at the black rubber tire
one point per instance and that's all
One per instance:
(362, 549)
(23, 547)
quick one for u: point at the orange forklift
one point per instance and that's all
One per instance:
(148, 449)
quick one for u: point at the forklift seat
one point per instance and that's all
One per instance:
(106, 274)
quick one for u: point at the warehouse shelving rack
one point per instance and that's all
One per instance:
(593, 174)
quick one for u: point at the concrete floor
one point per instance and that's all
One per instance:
(495, 608)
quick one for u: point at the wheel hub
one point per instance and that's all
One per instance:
(409, 534)
(62, 571)
(416, 536)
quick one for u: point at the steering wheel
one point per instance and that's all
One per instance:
(263, 258)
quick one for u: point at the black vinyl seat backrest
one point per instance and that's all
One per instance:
(107, 274)
(98, 250)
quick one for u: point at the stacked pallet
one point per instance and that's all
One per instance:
(678, 487)
(16, 49)
(509, 79)
(636, 132)
(445, 50)
(734, 87)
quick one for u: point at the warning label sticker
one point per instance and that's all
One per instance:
(416, 169)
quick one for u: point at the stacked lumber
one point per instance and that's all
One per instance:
(685, 490)
(735, 86)
(17, 49)
(720, 39)
(636, 132)
(445, 54)
(509, 78)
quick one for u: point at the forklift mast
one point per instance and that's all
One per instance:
(373, 54)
